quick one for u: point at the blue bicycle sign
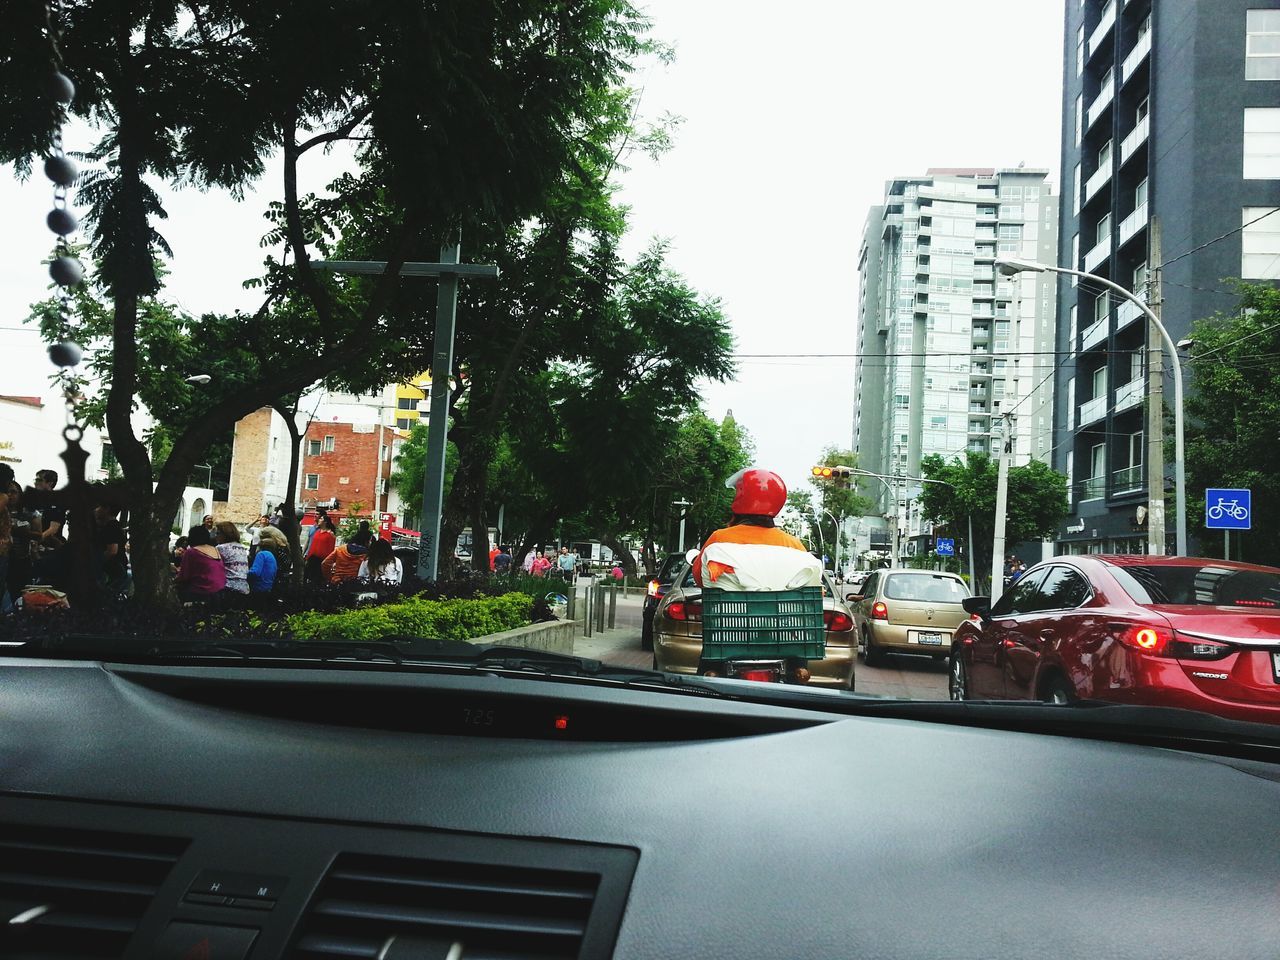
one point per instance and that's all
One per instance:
(1228, 509)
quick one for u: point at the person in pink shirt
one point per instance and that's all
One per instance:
(201, 574)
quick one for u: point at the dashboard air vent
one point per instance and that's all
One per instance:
(373, 906)
(68, 894)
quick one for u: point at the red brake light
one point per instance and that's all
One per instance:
(1142, 637)
(759, 676)
(680, 610)
(837, 621)
(879, 611)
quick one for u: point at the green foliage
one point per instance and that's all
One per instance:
(1232, 412)
(430, 619)
(411, 465)
(349, 525)
(1037, 500)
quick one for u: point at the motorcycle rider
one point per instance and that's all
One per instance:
(759, 496)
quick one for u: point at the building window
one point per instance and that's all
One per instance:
(1101, 307)
(1260, 244)
(1144, 109)
(1136, 360)
(313, 481)
(1075, 190)
(1262, 143)
(1071, 330)
(1104, 156)
(1140, 195)
(1140, 280)
(313, 448)
(1079, 118)
(1104, 229)
(407, 403)
(1075, 257)
(328, 443)
(1099, 383)
(1262, 46)
(109, 461)
(1080, 50)
(404, 423)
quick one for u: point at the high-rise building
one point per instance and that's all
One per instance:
(1171, 138)
(946, 346)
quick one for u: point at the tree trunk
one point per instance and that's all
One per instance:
(288, 509)
(621, 554)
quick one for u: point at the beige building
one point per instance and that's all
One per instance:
(259, 466)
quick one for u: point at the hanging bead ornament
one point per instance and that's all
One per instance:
(65, 269)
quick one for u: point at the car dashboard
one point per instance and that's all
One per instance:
(263, 811)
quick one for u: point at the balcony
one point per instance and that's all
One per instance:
(1126, 313)
(977, 408)
(1100, 102)
(1131, 224)
(1134, 139)
(1097, 256)
(1136, 56)
(1094, 488)
(1127, 480)
(1098, 180)
(1093, 411)
(981, 334)
(1130, 395)
(984, 252)
(1094, 334)
(1100, 32)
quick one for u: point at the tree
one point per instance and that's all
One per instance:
(1232, 414)
(837, 497)
(1037, 500)
(491, 97)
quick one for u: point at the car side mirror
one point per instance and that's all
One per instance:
(978, 605)
(853, 597)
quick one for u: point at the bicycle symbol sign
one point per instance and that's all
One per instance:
(1228, 509)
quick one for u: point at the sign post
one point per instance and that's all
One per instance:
(1228, 509)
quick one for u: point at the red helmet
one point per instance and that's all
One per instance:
(760, 492)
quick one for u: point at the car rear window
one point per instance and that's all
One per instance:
(926, 588)
(1206, 585)
(667, 572)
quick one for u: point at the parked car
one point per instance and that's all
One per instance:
(678, 633)
(907, 611)
(656, 590)
(1167, 631)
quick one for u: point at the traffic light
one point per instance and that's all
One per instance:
(837, 473)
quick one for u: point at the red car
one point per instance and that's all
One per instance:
(1162, 631)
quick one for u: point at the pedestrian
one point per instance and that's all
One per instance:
(109, 547)
(175, 555)
(529, 558)
(343, 563)
(25, 533)
(381, 564)
(493, 557)
(202, 573)
(541, 564)
(235, 556)
(566, 562)
(502, 562)
(617, 572)
(319, 547)
(261, 575)
(208, 525)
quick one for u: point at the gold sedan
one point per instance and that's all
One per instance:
(677, 634)
(908, 611)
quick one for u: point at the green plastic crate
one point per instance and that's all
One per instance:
(764, 624)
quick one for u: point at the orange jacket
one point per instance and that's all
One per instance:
(342, 564)
(746, 533)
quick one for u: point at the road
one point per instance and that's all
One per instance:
(918, 678)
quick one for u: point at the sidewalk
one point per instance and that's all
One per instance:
(621, 645)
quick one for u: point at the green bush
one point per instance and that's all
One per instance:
(432, 619)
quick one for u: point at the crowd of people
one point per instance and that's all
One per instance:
(547, 563)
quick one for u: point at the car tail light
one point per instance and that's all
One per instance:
(879, 611)
(654, 586)
(680, 610)
(1200, 649)
(837, 621)
(1144, 636)
(762, 675)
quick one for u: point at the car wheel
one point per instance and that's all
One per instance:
(873, 656)
(958, 685)
(1058, 690)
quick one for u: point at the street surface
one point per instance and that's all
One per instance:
(918, 678)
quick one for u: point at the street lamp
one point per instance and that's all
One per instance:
(199, 379)
(893, 497)
(1011, 267)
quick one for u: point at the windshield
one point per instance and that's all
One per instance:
(914, 586)
(470, 357)
(1201, 585)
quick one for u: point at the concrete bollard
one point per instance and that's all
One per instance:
(613, 604)
(588, 613)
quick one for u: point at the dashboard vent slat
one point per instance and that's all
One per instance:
(491, 909)
(78, 893)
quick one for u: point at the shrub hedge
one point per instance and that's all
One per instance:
(459, 619)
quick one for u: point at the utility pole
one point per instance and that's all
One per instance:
(683, 504)
(1002, 506)
(1155, 403)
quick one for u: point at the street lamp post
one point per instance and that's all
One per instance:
(893, 498)
(682, 503)
(1011, 267)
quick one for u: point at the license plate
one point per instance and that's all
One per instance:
(1275, 665)
(929, 639)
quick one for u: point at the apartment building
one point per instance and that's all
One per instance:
(1171, 139)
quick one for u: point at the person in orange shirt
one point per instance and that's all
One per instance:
(759, 496)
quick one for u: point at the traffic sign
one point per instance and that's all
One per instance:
(1228, 509)
(945, 547)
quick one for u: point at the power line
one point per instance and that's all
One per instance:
(1229, 233)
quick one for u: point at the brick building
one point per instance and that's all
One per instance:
(347, 462)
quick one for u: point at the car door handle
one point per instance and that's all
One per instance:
(1046, 634)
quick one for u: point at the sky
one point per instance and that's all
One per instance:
(794, 115)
